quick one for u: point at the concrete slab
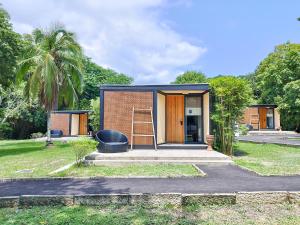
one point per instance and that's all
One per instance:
(281, 139)
(159, 156)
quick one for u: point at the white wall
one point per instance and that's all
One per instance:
(206, 115)
(277, 118)
(75, 124)
(161, 118)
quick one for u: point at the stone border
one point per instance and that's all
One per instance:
(203, 174)
(265, 142)
(3, 180)
(263, 175)
(175, 199)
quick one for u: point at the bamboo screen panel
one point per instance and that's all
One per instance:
(118, 113)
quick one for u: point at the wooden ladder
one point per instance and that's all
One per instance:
(142, 122)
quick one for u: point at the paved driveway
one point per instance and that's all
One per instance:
(221, 179)
(287, 139)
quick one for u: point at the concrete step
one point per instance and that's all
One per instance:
(130, 162)
(152, 158)
(271, 133)
(183, 146)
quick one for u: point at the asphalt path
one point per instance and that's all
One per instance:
(219, 179)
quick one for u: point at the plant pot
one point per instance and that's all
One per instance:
(210, 140)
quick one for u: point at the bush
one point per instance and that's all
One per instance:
(82, 148)
(95, 115)
(243, 129)
(5, 130)
(231, 96)
(37, 135)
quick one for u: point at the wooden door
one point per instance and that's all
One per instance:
(262, 118)
(83, 124)
(175, 118)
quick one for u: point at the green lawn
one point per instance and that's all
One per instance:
(268, 159)
(32, 155)
(39, 161)
(171, 170)
(120, 215)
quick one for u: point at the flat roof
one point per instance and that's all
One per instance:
(71, 111)
(158, 87)
(264, 105)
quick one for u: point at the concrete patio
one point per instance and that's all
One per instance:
(277, 137)
(158, 156)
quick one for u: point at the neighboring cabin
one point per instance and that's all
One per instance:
(262, 117)
(70, 122)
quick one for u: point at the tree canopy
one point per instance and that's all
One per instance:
(10, 48)
(190, 77)
(94, 76)
(52, 67)
(289, 103)
(273, 75)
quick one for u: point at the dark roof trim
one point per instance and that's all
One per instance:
(264, 105)
(71, 111)
(167, 87)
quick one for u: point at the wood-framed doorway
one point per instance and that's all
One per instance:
(184, 118)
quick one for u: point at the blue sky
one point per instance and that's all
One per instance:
(155, 40)
(237, 34)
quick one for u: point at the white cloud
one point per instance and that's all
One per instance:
(129, 36)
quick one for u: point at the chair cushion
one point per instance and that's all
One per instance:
(116, 143)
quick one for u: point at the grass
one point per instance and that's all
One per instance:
(169, 170)
(33, 155)
(120, 215)
(268, 159)
(39, 161)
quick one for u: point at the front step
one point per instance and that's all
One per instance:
(183, 146)
(159, 156)
(130, 162)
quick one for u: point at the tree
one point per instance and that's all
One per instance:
(94, 76)
(277, 70)
(95, 115)
(10, 47)
(251, 79)
(231, 95)
(52, 67)
(290, 103)
(190, 77)
(19, 118)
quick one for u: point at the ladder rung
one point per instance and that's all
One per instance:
(142, 109)
(145, 135)
(142, 122)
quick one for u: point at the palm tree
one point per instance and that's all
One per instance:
(52, 67)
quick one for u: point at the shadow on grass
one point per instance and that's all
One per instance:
(239, 152)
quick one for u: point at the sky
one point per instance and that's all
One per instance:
(153, 41)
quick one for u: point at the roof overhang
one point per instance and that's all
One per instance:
(71, 111)
(263, 106)
(196, 88)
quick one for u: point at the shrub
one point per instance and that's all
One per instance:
(82, 148)
(37, 135)
(95, 115)
(231, 95)
(243, 129)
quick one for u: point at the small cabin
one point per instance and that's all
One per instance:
(179, 112)
(262, 117)
(70, 122)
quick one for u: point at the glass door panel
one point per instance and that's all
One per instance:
(193, 119)
(270, 119)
